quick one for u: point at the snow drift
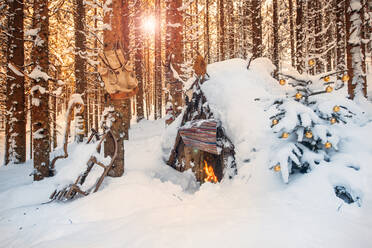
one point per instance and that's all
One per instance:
(153, 205)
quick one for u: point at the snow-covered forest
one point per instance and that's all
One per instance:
(185, 123)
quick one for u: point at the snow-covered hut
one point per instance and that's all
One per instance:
(201, 143)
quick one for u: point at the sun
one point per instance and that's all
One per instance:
(149, 24)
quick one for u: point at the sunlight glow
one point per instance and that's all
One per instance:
(149, 24)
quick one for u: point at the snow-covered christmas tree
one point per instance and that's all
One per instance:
(306, 121)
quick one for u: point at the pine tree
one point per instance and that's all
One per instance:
(158, 71)
(222, 30)
(206, 32)
(138, 56)
(174, 57)
(292, 33)
(15, 95)
(300, 36)
(357, 85)
(256, 28)
(80, 68)
(306, 122)
(39, 96)
(275, 37)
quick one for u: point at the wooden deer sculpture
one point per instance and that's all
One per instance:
(117, 74)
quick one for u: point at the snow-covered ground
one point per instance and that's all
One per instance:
(153, 205)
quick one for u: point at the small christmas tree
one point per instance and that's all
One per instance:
(306, 122)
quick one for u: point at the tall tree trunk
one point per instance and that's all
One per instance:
(40, 98)
(138, 59)
(340, 34)
(319, 37)
(256, 28)
(207, 52)
(231, 30)
(246, 27)
(158, 72)
(276, 37)
(125, 41)
(222, 27)
(15, 96)
(357, 85)
(174, 53)
(111, 38)
(300, 36)
(80, 67)
(292, 33)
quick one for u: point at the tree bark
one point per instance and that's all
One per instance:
(357, 85)
(300, 36)
(158, 71)
(206, 32)
(276, 37)
(256, 28)
(292, 33)
(138, 59)
(118, 107)
(319, 37)
(40, 98)
(174, 55)
(222, 30)
(340, 34)
(16, 119)
(80, 67)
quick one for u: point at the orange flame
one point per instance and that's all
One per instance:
(211, 177)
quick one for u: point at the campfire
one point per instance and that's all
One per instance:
(210, 176)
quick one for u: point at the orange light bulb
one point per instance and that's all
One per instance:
(345, 78)
(328, 145)
(285, 135)
(308, 134)
(298, 96)
(277, 168)
(329, 89)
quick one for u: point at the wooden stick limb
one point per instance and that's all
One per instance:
(67, 132)
(108, 168)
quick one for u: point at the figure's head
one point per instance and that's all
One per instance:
(117, 74)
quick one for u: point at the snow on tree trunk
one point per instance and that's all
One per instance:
(231, 29)
(158, 71)
(256, 28)
(319, 38)
(80, 68)
(222, 29)
(300, 36)
(39, 95)
(292, 33)
(15, 97)
(357, 85)
(340, 34)
(138, 57)
(174, 55)
(276, 37)
(118, 110)
(206, 32)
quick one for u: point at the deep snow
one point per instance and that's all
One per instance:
(153, 205)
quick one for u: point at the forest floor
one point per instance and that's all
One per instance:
(152, 205)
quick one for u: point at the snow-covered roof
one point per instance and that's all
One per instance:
(231, 92)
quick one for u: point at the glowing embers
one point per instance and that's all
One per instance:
(210, 176)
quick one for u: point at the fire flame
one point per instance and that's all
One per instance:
(211, 177)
